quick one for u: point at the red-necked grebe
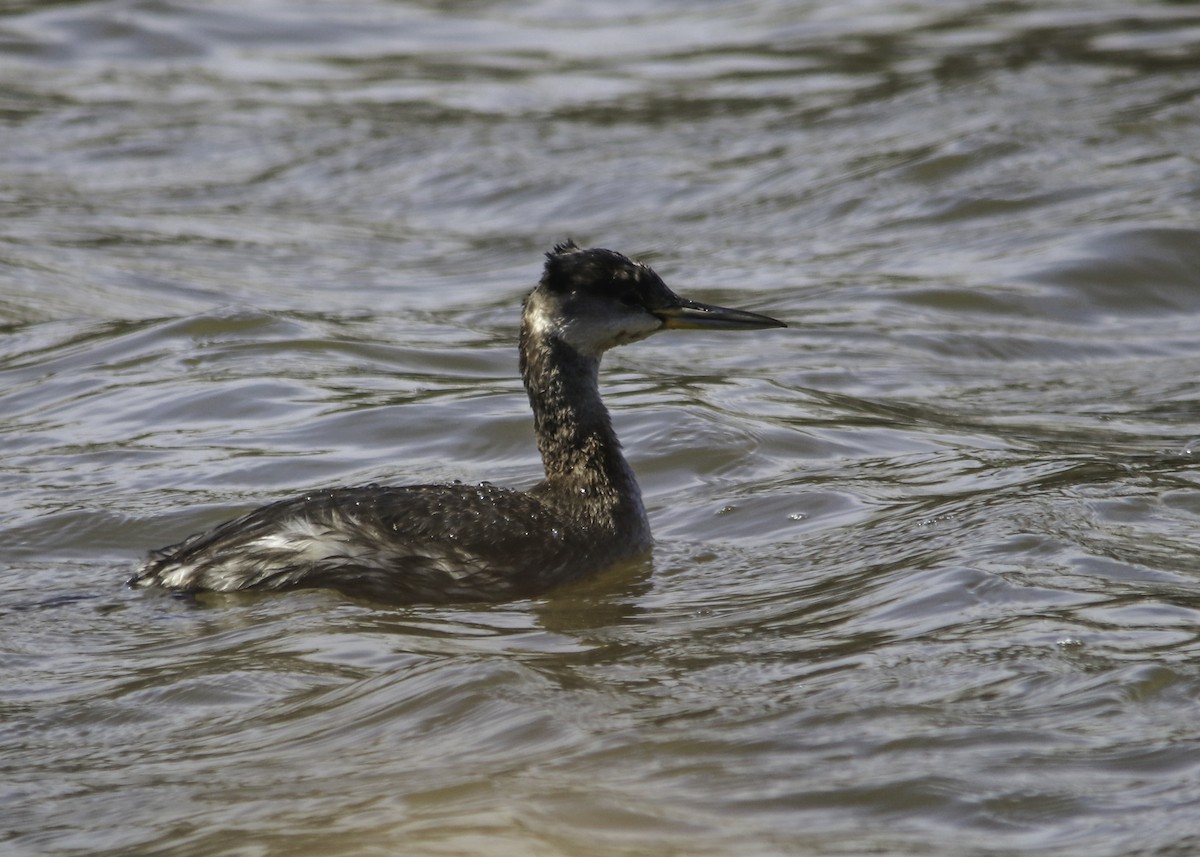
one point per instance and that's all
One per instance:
(443, 543)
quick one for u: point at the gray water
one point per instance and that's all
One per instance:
(927, 573)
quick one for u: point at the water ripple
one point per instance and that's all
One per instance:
(925, 579)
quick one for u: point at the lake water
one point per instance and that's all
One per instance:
(927, 573)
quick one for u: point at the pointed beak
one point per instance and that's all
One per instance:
(693, 315)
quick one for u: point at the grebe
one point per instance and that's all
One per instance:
(446, 543)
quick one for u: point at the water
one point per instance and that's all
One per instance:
(927, 578)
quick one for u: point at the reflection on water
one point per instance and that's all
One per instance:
(925, 580)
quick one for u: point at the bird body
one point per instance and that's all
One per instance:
(413, 544)
(457, 542)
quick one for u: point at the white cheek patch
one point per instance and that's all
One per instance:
(595, 332)
(594, 337)
(637, 332)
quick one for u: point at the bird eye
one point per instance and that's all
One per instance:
(630, 298)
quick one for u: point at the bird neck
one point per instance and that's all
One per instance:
(580, 451)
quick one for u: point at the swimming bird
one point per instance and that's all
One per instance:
(462, 543)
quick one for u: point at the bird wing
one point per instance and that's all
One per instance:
(426, 543)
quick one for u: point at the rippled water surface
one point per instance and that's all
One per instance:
(927, 575)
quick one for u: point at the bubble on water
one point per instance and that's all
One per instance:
(1192, 447)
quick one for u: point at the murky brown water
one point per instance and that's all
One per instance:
(927, 578)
